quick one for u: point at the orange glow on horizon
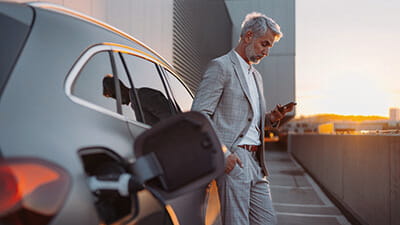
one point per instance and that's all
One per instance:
(336, 117)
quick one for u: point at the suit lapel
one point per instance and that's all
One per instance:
(240, 76)
(260, 90)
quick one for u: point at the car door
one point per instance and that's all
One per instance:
(102, 85)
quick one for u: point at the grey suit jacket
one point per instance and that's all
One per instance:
(223, 96)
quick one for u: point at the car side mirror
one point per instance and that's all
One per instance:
(180, 151)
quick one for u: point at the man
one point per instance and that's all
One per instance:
(231, 95)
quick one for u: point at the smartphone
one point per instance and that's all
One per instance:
(285, 107)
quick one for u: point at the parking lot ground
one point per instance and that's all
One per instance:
(297, 199)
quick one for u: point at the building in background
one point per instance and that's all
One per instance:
(202, 30)
(188, 33)
(394, 114)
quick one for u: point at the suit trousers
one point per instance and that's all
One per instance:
(245, 194)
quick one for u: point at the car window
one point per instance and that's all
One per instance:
(90, 82)
(182, 96)
(15, 23)
(128, 102)
(149, 89)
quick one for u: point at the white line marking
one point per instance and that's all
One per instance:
(319, 192)
(306, 215)
(343, 220)
(317, 189)
(303, 205)
(290, 187)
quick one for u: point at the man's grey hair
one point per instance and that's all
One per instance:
(259, 23)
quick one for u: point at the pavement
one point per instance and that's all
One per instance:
(297, 199)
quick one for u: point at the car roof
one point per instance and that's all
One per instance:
(81, 16)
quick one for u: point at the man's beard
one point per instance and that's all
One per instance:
(251, 54)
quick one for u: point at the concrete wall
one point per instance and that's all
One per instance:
(362, 172)
(202, 31)
(278, 69)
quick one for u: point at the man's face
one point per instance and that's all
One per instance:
(259, 47)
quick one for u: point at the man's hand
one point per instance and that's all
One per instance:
(231, 161)
(275, 114)
(286, 108)
(280, 111)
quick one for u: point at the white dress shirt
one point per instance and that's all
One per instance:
(252, 137)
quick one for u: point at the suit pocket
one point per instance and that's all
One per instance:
(236, 172)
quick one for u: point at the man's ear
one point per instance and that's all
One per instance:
(248, 37)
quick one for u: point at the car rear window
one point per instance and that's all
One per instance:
(15, 22)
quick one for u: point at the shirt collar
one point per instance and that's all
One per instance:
(247, 68)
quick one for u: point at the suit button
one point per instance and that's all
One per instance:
(241, 135)
(249, 119)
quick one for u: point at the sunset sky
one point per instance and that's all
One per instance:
(347, 56)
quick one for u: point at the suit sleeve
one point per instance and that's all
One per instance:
(210, 90)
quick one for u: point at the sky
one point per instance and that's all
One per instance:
(347, 56)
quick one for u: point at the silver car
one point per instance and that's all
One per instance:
(92, 129)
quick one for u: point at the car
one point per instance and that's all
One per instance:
(95, 126)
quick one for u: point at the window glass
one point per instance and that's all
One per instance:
(127, 97)
(15, 23)
(90, 81)
(149, 89)
(182, 96)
